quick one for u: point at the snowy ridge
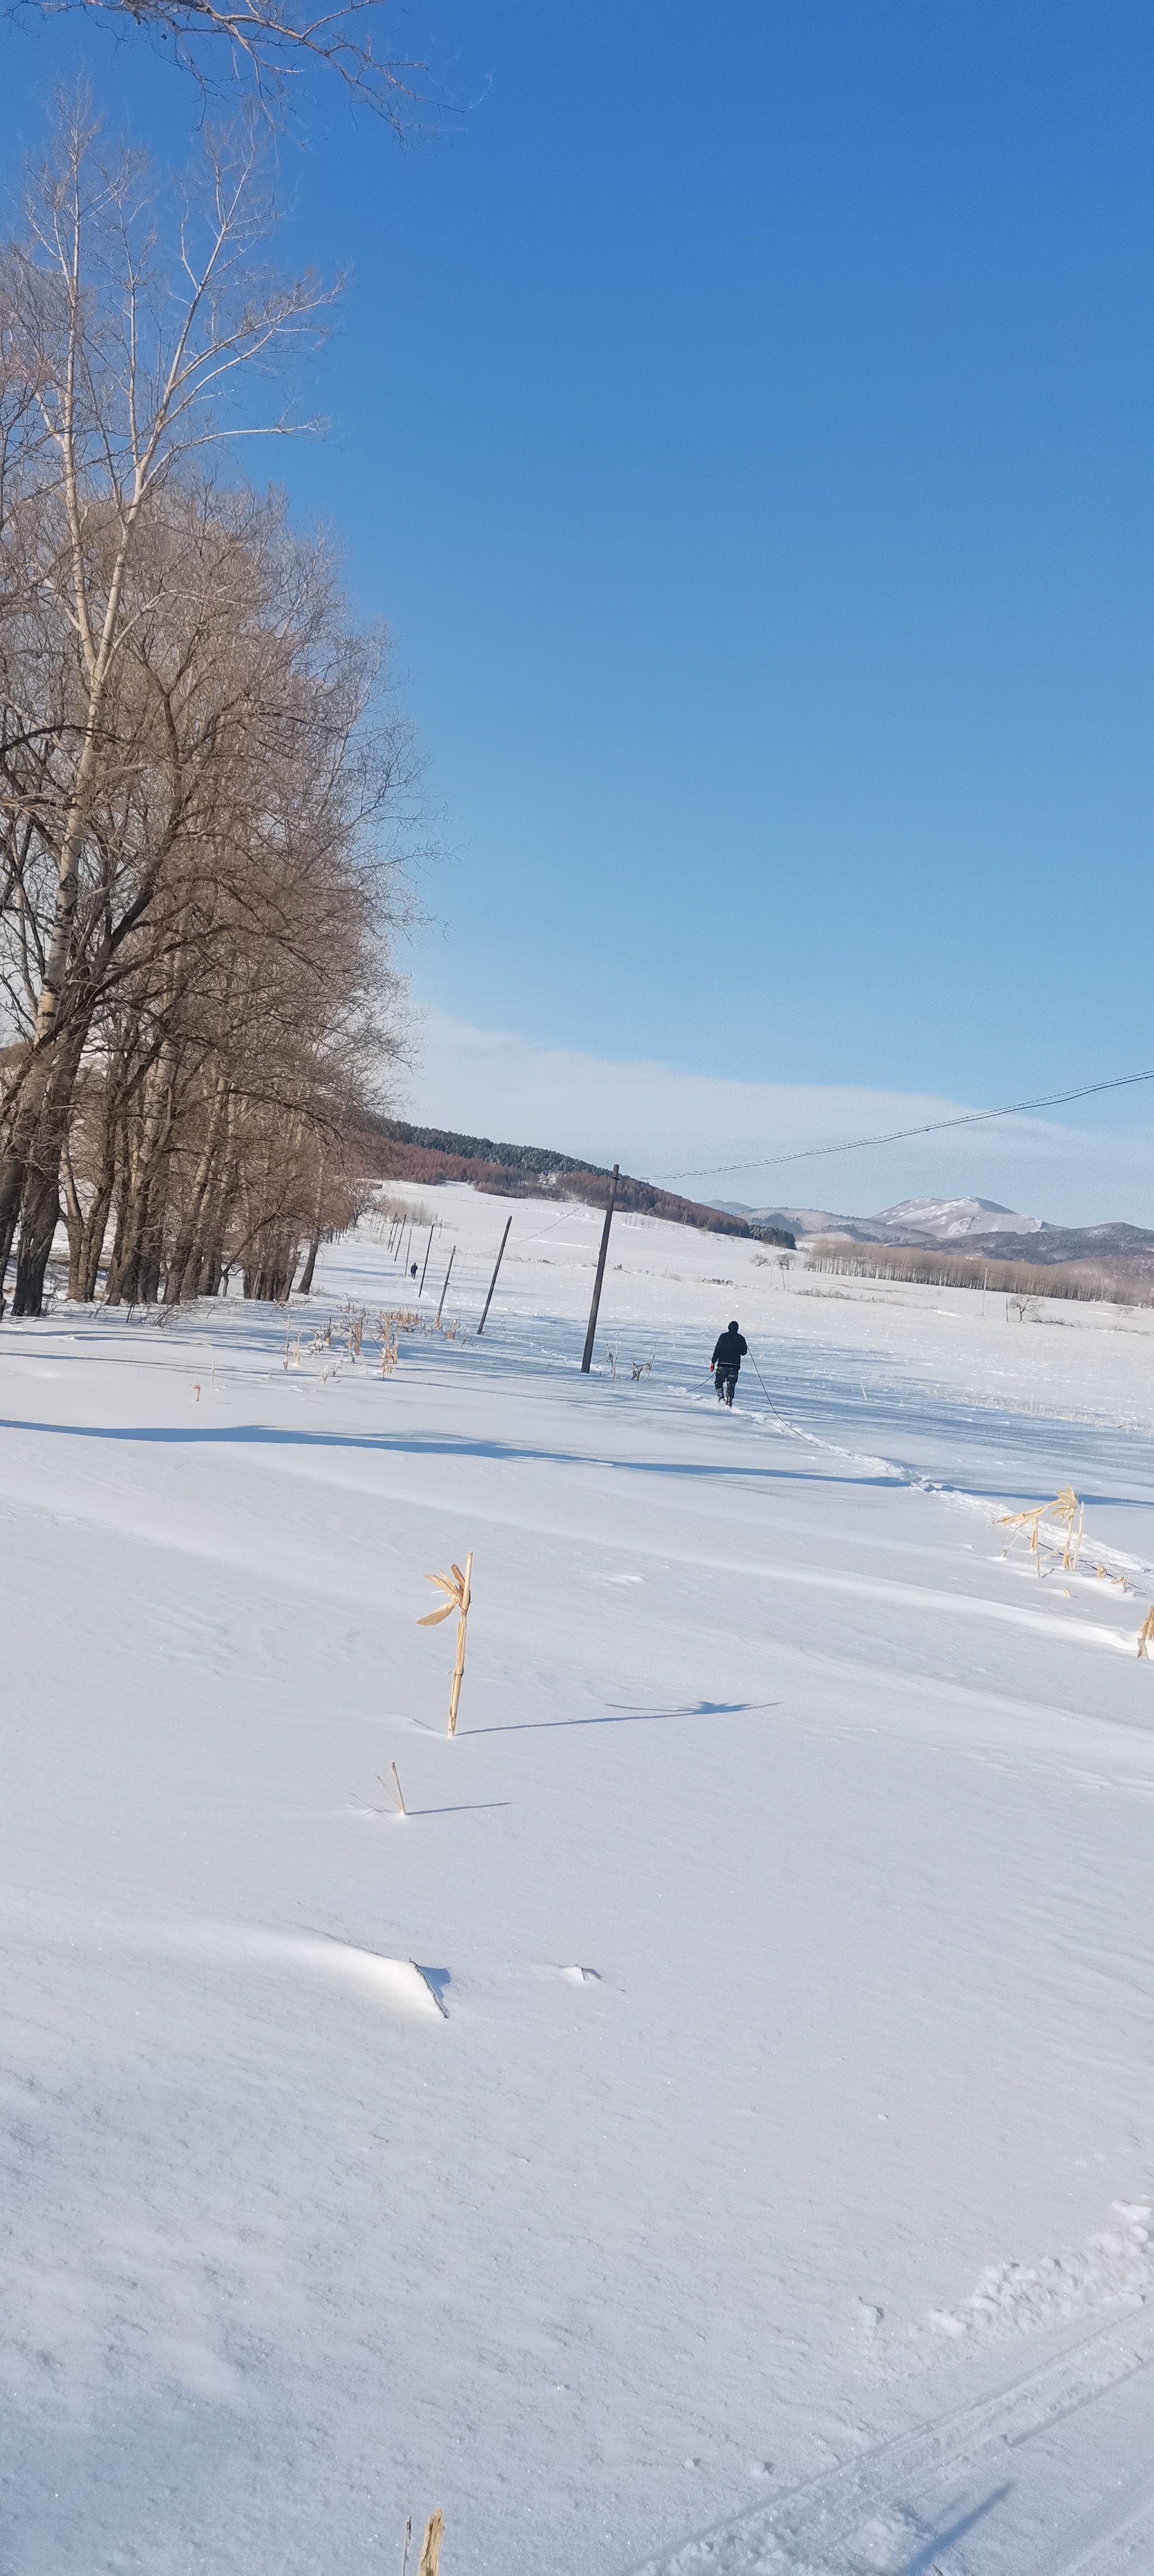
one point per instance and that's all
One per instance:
(973, 1224)
(398, 1982)
(951, 1220)
(1016, 2298)
(916, 1221)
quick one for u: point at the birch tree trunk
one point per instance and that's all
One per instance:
(182, 1259)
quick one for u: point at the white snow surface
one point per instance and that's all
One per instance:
(712, 2131)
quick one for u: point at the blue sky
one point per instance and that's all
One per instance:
(743, 419)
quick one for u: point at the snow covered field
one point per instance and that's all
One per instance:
(808, 2230)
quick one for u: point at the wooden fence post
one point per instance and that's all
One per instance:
(493, 1280)
(452, 1258)
(588, 1351)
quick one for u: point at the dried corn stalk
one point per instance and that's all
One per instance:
(434, 2533)
(458, 1590)
(1146, 1634)
(1065, 1507)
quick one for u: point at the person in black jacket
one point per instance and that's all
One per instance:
(727, 1358)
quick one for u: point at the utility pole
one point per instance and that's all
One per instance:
(588, 1351)
(493, 1280)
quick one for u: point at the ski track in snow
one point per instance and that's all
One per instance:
(765, 2157)
(927, 2497)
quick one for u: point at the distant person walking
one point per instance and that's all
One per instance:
(727, 1358)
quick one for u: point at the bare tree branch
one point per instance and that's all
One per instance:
(267, 44)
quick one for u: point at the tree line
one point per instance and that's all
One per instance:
(1129, 1283)
(204, 791)
(394, 1150)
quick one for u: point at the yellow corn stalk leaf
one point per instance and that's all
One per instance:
(434, 1617)
(1065, 1507)
(431, 2545)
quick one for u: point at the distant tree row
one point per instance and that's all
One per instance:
(395, 1151)
(481, 1149)
(201, 790)
(1127, 1282)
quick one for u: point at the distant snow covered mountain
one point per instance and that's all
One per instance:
(978, 1225)
(912, 1221)
(950, 1220)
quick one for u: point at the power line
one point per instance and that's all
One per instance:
(898, 1135)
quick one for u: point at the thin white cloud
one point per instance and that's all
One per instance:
(682, 1127)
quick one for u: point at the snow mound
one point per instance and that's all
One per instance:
(399, 1982)
(393, 1981)
(1016, 2298)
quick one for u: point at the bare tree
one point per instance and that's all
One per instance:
(242, 1004)
(268, 44)
(120, 367)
